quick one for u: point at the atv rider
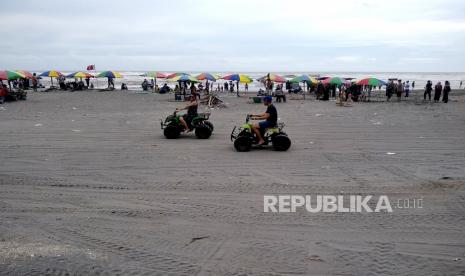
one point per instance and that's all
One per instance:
(191, 107)
(270, 116)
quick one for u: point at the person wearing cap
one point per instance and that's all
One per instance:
(270, 118)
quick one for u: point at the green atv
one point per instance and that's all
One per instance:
(172, 126)
(244, 137)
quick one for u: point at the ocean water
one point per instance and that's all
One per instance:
(134, 79)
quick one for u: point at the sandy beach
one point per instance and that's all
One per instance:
(89, 186)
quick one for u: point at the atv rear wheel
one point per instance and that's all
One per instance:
(281, 142)
(203, 132)
(242, 143)
(171, 132)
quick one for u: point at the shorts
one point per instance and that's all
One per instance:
(265, 124)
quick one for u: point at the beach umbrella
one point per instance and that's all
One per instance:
(155, 75)
(184, 78)
(80, 75)
(335, 80)
(207, 76)
(273, 77)
(304, 78)
(51, 74)
(27, 74)
(109, 74)
(371, 81)
(11, 75)
(239, 78)
(170, 76)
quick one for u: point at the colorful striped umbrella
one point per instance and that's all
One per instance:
(25, 73)
(109, 74)
(80, 75)
(371, 81)
(51, 74)
(238, 77)
(304, 78)
(335, 80)
(184, 78)
(155, 75)
(10, 75)
(273, 77)
(207, 76)
(170, 76)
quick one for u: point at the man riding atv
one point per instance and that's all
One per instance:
(191, 108)
(270, 116)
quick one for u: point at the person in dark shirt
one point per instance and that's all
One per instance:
(445, 97)
(270, 116)
(191, 112)
(428, 89)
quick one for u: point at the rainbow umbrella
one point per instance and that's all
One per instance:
(109, 74)
(184, 78)
(304, 78)
(51, 74)
(335, 80)
(27, 74)
(238, 78)
(155, 75)
(80, 75)
(170, 76)
(273, 77)
(371, 81)
(207, 76)
(11, 75)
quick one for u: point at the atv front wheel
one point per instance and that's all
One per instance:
(242, 143)
(208, 123)
(203, 132)
(171, 132)
(281, 142)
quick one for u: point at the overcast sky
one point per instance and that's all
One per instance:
(237, 35)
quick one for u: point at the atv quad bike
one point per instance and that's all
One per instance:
(172, 126)
(244, 137)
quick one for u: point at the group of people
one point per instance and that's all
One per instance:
(438, 91)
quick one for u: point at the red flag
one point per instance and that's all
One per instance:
(90, 67)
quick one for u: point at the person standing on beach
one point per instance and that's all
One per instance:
(399, 90)
(390, 90)
(445, 94)
(437, 92)
(3, 93)
(428, 89)
(413, 85)
(460, 84)
(407, 88)
(246, 87)
(34, 82)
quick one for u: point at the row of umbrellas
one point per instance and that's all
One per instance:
(175, 77)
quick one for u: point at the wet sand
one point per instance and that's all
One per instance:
(89, 186)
